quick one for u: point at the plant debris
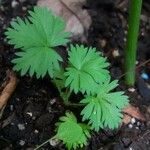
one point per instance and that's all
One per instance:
(8, 89)
(132, 111)
(77, 19)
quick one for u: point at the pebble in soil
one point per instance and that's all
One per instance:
(145, 76)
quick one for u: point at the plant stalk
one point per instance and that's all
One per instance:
(132, 38)
(39, 146)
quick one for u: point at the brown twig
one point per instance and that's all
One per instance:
(8, 89)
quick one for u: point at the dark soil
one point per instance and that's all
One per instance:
(31, 113)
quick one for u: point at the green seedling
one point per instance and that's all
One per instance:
(132, 38)
(35, 39)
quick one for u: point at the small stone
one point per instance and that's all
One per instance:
(125, 39)
(130, 148)
(54, 142)
(36, 131)
(21, 142)
(137, 128)
(133, 120)
(53, 101)
(12, 123)
(145, 76)
(33, 118)
(138, 123)
(30, 114)
(102, 43)
(21, 127)
(130, 126)
(17, 99)
(137, 62)
(24, 8)
(131, 90)
(11, 107)
(144, 18)
(115, 53)
(142, 33)
(14, 4)
(125, 32)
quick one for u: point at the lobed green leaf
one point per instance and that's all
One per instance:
(36, 36)
(86, 69)
(74, 135)
(104, 109)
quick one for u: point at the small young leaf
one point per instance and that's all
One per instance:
(104, 108)
(37, 36)
(74, 135)
(86, 69)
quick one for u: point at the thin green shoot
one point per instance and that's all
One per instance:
(132, 38)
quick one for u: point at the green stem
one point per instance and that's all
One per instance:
(132, 38)
(74, 104)
(42, 144)
(68, 93)
(64, 95)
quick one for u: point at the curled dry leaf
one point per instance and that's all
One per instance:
(8, 89)
(77, 19)
(132, 112)
(126, 119)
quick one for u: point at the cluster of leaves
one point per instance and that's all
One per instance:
(36, 38)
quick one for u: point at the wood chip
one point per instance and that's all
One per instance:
(8, 89)
(133, 111)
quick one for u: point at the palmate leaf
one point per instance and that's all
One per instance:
(74, 135)
(86, 69)
(37, 35)
(104, 109)
(40, 64)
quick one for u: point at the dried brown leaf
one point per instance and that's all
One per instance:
(77, 19)
(133, 112)
(126, 119)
